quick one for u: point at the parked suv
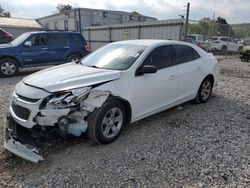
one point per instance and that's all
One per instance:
(41, 48)
(224, 44)
(5, 37)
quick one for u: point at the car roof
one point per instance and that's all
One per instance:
(46, 32)
(149, 42)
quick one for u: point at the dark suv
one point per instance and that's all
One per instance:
(5, 37)
(41, 48)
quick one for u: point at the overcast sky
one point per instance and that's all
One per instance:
(234, 11)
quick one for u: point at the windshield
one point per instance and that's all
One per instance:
(20, 39)
(114, 56)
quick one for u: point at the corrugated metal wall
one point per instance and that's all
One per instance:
(98, 36)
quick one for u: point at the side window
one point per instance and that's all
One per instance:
(185, 54)
(42, 39)
(224, 39)
(58, 39)
(195, 54)
(160, 57)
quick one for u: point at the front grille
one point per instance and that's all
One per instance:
(20, 111)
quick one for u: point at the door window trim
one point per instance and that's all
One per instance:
(149, 53)
(193, 53)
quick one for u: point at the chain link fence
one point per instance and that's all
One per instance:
(220, 39)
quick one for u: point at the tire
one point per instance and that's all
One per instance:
(101, 125)
(224, 49)
(73, 58)
(204, 91)
(240, 50)
(8, 67)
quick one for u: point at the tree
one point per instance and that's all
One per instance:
(4, 13)
(224, 27)
(64, 8)
(135, 13)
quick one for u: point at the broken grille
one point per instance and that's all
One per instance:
(20, 111)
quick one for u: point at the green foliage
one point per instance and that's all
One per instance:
(135, 13)
(64, 8)
(241, 30)
(4, 13)
(210, 28)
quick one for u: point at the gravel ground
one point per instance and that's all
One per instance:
(204, 145)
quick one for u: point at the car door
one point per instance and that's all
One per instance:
(38, 53)
(59, 47)
(153, 92)
(189, 71)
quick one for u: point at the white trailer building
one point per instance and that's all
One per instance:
(79, 18)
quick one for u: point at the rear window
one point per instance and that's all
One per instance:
(185, 54)
(77, 38)
(191, 36)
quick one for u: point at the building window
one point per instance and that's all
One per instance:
(47, 25)
(56, 25)
(105, 14)
(131, 17)
(66, 26)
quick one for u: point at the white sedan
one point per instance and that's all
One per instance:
(118, 84)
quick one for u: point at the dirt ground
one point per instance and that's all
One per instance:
(205, 145)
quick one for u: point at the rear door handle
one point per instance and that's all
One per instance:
(66, 47)
(171, 77)
(44, 48)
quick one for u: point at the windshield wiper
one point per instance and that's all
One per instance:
(93, 66)
(78, 61)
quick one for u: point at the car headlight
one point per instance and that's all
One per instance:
(67, 99)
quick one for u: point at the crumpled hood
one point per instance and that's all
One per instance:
(70, 76)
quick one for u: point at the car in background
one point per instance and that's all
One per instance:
(224, 44)
(41, 48)
(117, 84)
(199, 40)
(5, 37)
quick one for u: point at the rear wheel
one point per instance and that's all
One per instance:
(106, 123)
(8, 67)
(224, 49)
(240, 50)
(73, 58)
(205, 91)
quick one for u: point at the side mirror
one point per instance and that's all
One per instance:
(28, 44)
(146, 69)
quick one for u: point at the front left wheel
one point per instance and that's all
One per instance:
(72, 58)
(106, 123)
(8, 67)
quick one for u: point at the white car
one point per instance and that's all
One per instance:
(224, 44)
(118, 84)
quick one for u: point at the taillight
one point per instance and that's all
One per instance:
(87, 48)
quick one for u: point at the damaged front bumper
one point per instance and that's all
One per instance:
(26, 117)
(16, 143)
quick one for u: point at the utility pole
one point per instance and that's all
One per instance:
(187, 18)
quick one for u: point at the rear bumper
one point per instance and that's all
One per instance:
(17, 145)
